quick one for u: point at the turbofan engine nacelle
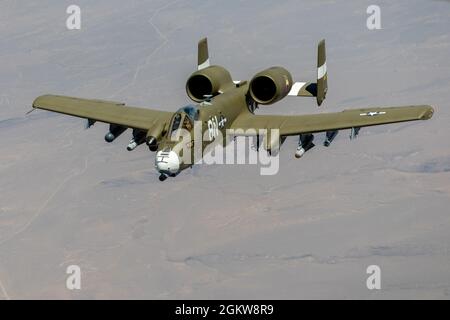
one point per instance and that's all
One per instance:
(206, 82)
(270, 85)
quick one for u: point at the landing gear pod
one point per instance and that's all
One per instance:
(272, 142)
(154, 135)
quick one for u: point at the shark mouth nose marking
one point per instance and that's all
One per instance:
(167, 162)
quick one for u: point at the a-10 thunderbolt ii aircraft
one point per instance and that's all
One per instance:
(224, 105)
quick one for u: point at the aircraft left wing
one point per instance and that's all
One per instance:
(347, 119)
(103, 111)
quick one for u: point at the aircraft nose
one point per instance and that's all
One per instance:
(167, 162)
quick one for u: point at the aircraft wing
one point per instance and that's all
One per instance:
(354, 118)
(103, 111)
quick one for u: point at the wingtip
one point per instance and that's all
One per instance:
(35, 103)
(38, 99)
(428, 113)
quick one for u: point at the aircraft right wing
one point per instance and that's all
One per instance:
(104, 111)
(347, 119)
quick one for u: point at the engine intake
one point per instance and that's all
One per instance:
(207, 82)
(270, 85)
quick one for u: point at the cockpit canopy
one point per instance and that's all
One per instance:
(191, 110)
(186, 117)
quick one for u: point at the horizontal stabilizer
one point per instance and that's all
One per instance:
(303, 89)
(314, 89)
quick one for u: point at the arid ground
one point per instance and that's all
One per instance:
(311, 231)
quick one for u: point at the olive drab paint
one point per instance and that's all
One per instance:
(225, 107)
